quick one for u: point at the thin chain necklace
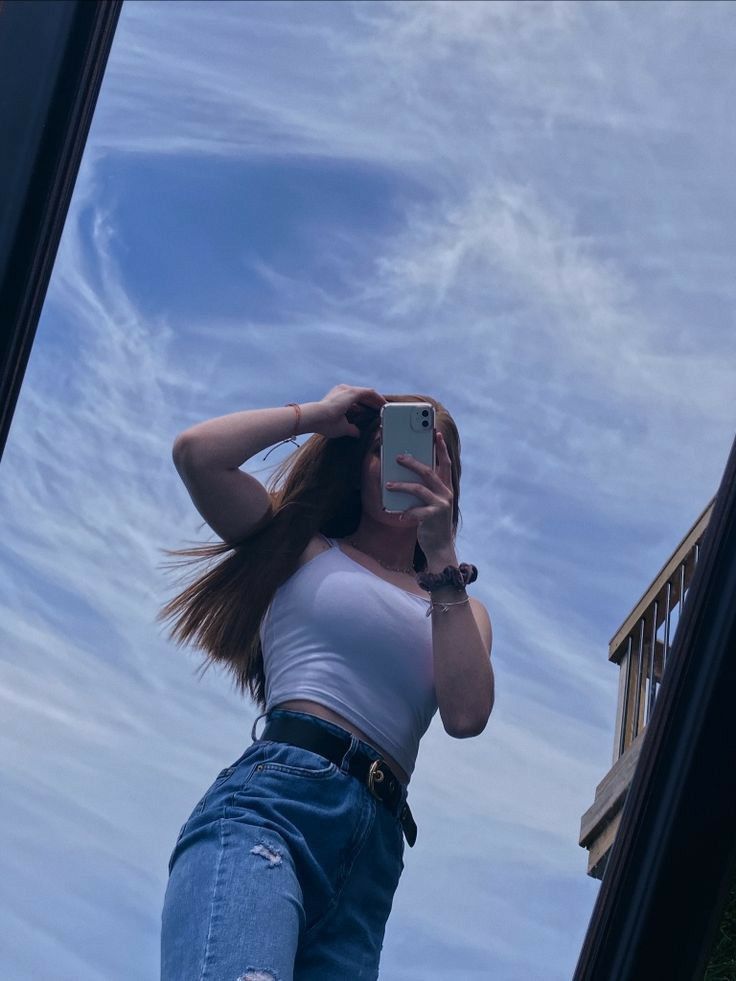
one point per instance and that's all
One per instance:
(389, 567)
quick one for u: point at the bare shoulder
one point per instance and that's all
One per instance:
(317, 543)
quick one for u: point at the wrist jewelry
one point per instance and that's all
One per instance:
(442, 607)
(452, 575)
(291, 439)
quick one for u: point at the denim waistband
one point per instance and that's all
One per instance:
(330, 726)
(402, 806)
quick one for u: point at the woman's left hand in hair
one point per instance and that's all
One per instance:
(434, 532)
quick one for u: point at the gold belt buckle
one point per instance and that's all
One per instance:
(375, 776)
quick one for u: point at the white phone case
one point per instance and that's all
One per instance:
(406, 427)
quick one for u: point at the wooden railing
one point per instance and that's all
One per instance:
(640, 647)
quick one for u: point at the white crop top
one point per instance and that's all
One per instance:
(338, 634)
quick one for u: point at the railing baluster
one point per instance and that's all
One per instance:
(652, 653)
(666, 642)
(682, 589)
(637, 702)
(625, 707)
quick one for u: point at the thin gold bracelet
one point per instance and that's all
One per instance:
(291, 439)
(298, 417)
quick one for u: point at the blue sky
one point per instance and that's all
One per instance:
(525, 210)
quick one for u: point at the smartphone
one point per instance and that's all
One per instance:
(406, 427)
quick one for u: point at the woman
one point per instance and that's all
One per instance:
(350, 626)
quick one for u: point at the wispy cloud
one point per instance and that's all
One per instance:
(536, 227)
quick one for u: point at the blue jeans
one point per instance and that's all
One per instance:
(285, 870)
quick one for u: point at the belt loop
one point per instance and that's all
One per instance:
(253, 730)
(344, 763)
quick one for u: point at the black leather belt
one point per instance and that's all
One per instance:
(375, 774)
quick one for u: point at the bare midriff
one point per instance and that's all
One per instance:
(322, 712)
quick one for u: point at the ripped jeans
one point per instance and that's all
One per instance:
(285, 870)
